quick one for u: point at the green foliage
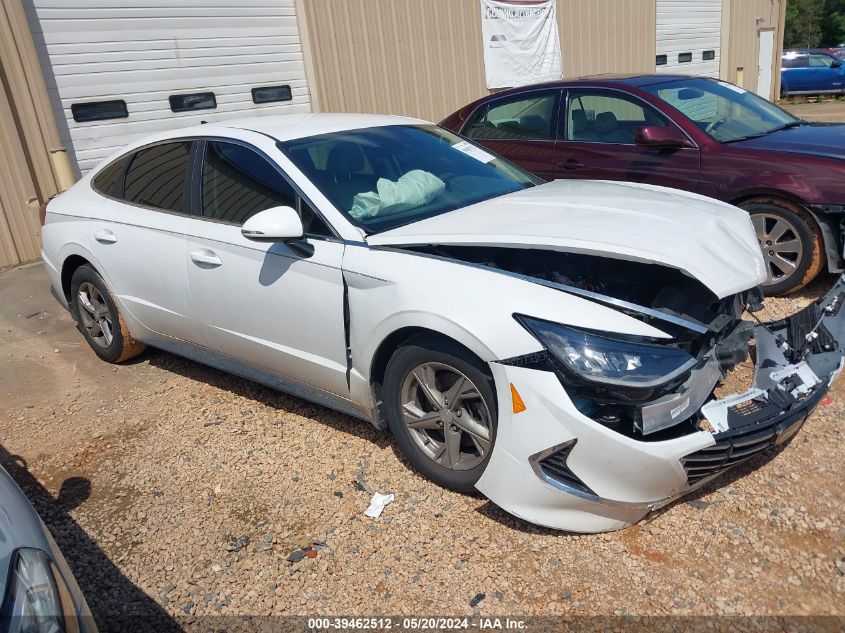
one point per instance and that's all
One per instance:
(814, 23)
(833, 28)
(803, 23)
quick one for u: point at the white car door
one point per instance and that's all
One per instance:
(264, 303)
(138, 237)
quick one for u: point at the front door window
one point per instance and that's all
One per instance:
(607, 118)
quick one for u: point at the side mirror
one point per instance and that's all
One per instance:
(278, 224)
(836, 63)
(660, 136)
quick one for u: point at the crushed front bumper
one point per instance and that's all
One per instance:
(797, 359)
(554, 466)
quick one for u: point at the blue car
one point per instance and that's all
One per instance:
(811, 72)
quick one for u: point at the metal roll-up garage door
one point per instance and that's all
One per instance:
(689, 36)
(118, 70)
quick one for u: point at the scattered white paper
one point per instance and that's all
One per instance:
(377, 504)
(475, 152)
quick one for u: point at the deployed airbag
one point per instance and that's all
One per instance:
(414, 189)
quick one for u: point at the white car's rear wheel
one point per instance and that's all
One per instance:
(441, 409)
(99, 319)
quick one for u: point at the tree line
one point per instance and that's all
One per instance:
(814, 23)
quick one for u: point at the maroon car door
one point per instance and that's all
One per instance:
(596, 141)
(521, 128)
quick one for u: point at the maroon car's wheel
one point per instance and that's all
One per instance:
(791, 244)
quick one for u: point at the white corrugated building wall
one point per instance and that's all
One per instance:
(116, 70)
(689, 36)
(145, 52)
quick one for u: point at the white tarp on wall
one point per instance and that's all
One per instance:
(521, 44)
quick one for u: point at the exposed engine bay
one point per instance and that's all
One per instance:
(649, 285)
(712, 330)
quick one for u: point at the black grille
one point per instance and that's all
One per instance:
(534, 360)
(554, 466)
(755, 426)
(726, 453)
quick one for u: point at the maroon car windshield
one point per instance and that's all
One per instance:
(724, 111)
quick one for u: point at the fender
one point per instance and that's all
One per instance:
(136, 329)
(832, 238)
(362, 355)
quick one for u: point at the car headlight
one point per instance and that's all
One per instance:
(37, 599)
(603, 359)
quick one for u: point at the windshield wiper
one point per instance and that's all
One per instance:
(786, 126)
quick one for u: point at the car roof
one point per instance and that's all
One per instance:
(609, 80)
(805, 51)
(639, 80)
(281, 127)
(284, 127)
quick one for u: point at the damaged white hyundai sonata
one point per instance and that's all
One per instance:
(554, 345)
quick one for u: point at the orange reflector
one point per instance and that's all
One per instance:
(518, 404)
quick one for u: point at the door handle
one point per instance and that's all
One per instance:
(105, 236)
(207, 257)
(571, 164)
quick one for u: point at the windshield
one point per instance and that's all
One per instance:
(384, 177)
(724, 111)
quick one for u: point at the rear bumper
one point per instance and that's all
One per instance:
(554, 466)
(55, 276)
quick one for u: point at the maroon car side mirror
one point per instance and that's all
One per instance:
(660, 136)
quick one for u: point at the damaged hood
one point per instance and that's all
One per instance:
(709, 240)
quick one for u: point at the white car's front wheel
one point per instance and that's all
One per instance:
(441, 409)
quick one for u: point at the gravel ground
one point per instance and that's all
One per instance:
(175, 489)
(830, 111)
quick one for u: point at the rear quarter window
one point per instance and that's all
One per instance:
(107, 180)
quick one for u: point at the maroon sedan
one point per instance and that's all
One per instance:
(691, 133)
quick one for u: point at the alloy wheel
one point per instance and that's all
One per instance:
(446, 416)
(95, 314)
(780, 243)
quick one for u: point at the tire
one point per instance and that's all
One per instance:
(790, 241)
(98, 318)
(441, 363)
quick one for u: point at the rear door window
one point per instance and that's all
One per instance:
(528, 117)
(157, 177)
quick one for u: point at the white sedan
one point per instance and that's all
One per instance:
(554, 345)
